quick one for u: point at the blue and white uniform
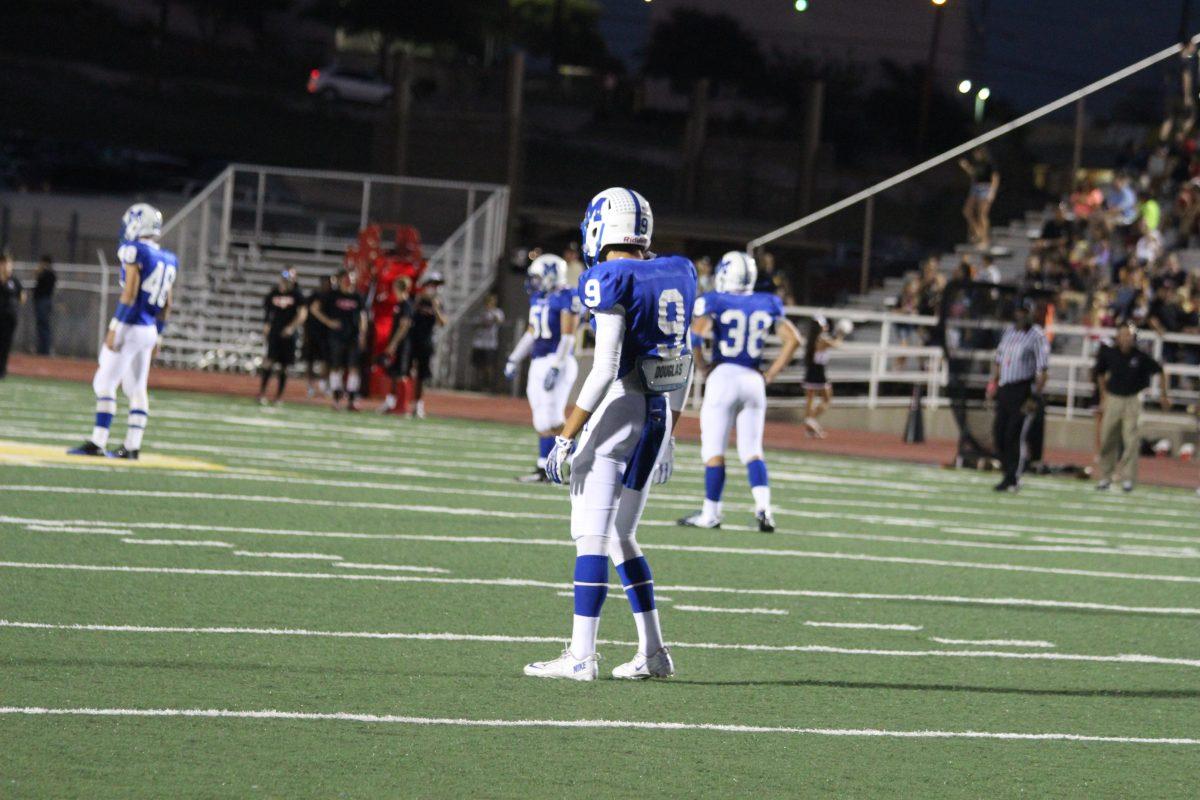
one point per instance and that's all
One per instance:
(735, 393)
(640, 313)
(135, 326)
(547, 352)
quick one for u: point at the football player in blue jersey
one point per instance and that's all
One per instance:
(147, 274)
(550, 339)
(735, 396)
(618, 437)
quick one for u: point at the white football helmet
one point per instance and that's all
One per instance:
(616, 217)
(141, 221)
(736, 273)
(547, 273)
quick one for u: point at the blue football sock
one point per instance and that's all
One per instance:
(756, 471)
(591, 585)
(545, 445)
(714, 482)
(638, 583)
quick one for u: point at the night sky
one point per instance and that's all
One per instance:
(1032, 51)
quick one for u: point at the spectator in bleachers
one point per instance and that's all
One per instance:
(1122, 202)
(486, 341)
(315, 352)
(284, 314)
(907, 303)
(1149, 246)
(989, 272)
(704, 275)
(985, 181)
(12, 295)
(1086, 200)
(932, 283)
(45, 279)
(1149, 211)
(1055, 237)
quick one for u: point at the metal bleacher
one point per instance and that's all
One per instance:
(251, 222)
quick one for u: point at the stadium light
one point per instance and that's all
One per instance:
(984, 93)
(980, 100)
(801, 5)
(938, 3)
(964, 86)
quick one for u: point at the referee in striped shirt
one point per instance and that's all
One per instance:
(1018, 378)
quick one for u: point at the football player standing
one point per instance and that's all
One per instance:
(618, 437)
(739, 320)
(147, 274)
(550, 340)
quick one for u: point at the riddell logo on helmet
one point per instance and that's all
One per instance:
(633, 239)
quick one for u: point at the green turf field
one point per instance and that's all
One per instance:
(329, 605)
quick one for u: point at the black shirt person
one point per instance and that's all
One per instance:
(396, 355)
(1018, 378)
(283, 314)
(427, 317)
(12, 294)
(344, 314)
(43, 303)
(1122, 373)
(316, 341)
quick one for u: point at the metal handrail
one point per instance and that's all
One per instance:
(967, 146)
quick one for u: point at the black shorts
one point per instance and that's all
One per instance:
(814, 377)
(315, 346)
(281, 349)
(344, 353)
(420, 360)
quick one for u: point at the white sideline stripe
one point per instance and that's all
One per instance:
(178, 542)
(873, 626)
(1122, 658)
(719, 610)
(79, 529)
(658, 598)
(308, 556)
(396, 567)
(995, 642)
(393, 719)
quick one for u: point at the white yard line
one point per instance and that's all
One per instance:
(873, 626)
(392, 567)
(178, 542)
(79, 529)
(483, 513)
(1122, 658)
(503, 540)
(286, 555)
(1070, 540)
(393, 719)
(995, 642)
(779, 612)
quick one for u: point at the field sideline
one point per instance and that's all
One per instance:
(289, 602)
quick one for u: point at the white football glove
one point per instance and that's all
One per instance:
(666, 463)
(558, 460)
(510, 370)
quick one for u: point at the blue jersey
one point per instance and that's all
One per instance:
(741, 323)
(545, 318)
(157, 269)
(656, 295)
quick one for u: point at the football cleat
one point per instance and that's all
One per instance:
(88, 448)
(1103, 486)
(1127, 486)
(766, 522)
(813, 428)
(698, 520)
(657, 665)
(537, 476)
(566, 666)
(419, 410)
(121, 452)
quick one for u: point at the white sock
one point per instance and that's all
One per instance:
(649, 631)
(389, 401)
(541, 463)
(335, 381)
(762, 497)
(133, 433)
(100, 436)
(583, 635)
(352, 383)
(712, 509)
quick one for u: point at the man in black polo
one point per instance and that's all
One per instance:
(1123, 372)
(12, 294)
(1018, 378)
(283, 315)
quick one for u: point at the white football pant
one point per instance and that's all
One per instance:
(733, 395)
(128, 367)
(549, 408)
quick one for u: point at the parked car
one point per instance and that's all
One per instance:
(336, 83)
